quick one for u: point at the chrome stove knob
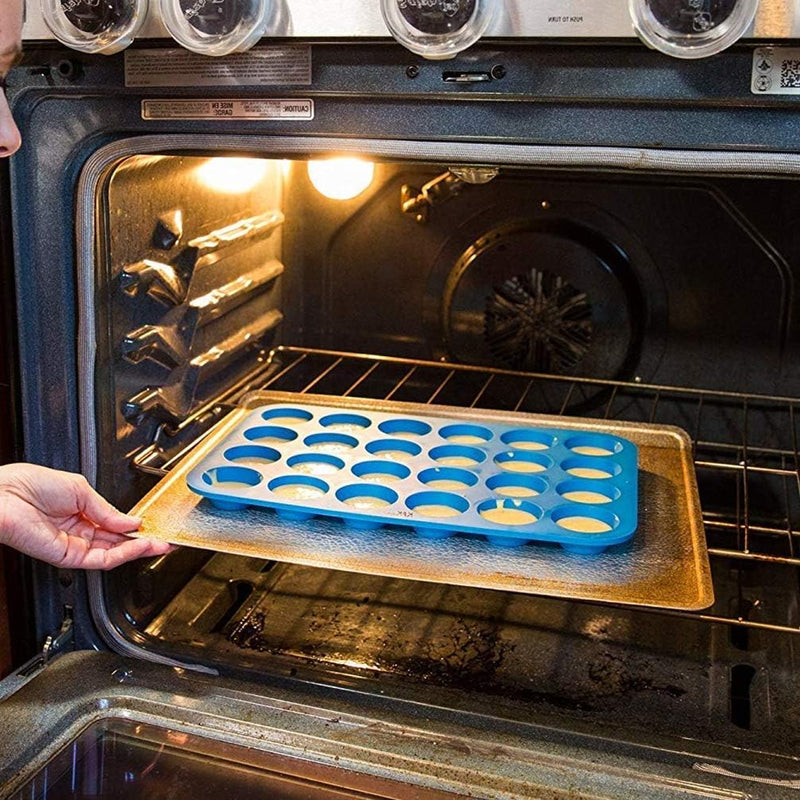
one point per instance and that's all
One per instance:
(94, 26)
(438, 29)
(691, 28)
(216, 27)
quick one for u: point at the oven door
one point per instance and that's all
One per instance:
(96, 725)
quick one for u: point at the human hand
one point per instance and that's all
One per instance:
(59, 518)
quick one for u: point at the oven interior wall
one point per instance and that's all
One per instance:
(593, 274)
(651, 279)
(209, 262)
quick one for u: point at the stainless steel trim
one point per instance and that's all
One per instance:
(776, 19)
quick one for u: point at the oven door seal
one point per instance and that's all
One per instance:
(546, 156)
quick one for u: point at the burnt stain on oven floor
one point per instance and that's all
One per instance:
(467, 657)
(611, 675)
(469, 654)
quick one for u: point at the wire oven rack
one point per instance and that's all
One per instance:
(745, 447)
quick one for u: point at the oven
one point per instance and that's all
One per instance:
(554, 219)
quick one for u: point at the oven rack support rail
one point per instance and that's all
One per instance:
(745, 446)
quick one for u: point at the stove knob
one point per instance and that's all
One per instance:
(691, 28)
(216, 27)
(438, 29)
(95, 26)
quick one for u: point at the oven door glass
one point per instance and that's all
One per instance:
(120, 758)
(93, 725)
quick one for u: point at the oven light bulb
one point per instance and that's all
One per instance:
(232, 175)
(341, 178)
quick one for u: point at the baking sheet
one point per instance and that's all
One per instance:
(665, 564)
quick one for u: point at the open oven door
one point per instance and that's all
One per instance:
(96, 725)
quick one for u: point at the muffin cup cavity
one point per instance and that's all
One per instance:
(528, 439)
(437, 505)
(270, 433)
(287, 416)
(380, 471)
(331, 443)
(447, 478)
(315, 463)
(594, 444)
(394, 449)
(252, 454)
(522, 462)
(404, 427)
(298, 487)
(231, 479)
(591, 467)
(367, 496)
(506, 512)
(457, 455)
(466, 434)
(511, 485)
(345, 423)
(588, 491)
(239, 478)
(585, 519)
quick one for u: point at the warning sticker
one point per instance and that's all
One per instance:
(274, 65)
(776, 70)
(228, 109)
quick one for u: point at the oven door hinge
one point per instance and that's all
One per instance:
(53, 645)
(57, 643)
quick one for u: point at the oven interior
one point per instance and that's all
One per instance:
(644, 297)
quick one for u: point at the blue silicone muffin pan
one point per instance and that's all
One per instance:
(513, 484)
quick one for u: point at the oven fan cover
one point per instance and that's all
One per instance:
(549, 296)
(538, 321)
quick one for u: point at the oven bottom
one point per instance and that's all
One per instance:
(510, 655)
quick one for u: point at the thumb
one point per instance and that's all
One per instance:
(100, 512)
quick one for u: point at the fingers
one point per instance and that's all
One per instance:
(106, 554)
(124, 552)
(99, 511)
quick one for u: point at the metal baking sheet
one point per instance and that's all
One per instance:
(664, 565)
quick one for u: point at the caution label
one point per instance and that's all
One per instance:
(262, 108)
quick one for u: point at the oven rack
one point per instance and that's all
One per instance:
(745, 446)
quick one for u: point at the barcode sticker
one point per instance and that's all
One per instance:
(776, 70)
